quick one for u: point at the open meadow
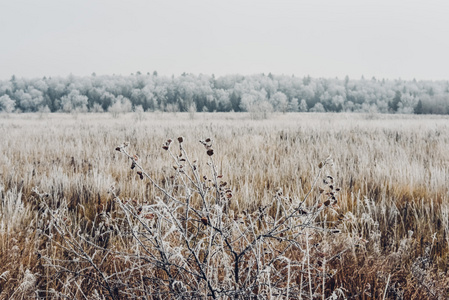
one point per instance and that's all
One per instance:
(299, 205)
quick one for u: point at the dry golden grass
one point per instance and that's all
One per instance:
(393, 171)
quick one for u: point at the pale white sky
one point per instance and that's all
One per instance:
(322, 38)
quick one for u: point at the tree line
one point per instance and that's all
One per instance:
(258, 94)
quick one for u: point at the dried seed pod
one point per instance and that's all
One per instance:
(320, 165)
(327, 202)
(133, 165)
(140, 174)
(302, 211)
(118, 149)
(229, 195)
(210, 152)
(165, 147)
(180, 139)
(204, 220)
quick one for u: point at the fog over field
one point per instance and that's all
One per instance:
(386, 39)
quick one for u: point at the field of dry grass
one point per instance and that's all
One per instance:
(392, 209)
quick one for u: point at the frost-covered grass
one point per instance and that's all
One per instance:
(392, 209)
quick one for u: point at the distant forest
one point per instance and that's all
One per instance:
(261, 93)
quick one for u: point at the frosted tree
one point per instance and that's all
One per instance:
(256, 103)
(96, 108)
(337, 102)
(139, 113)
(121, 105)
(7, 104)
(293, 106)
(74, 101)
(192, 111)
(172, 107)
(24, 101)
(349, 106)
(224, 101)
(251, 99)
(280, 102)
(407, 104)
(318, 107)
(303, 106)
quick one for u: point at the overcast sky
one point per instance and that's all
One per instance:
(322, 38)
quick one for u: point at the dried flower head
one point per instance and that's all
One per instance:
(210, 152)
(180, 139)
(140, 174)
(167, 143)
(204, 220)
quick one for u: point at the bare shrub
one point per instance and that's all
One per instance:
(190, 243)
